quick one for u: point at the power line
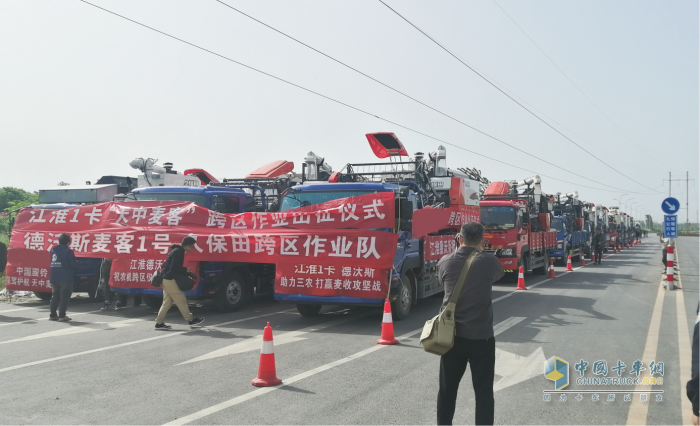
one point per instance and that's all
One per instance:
(572, 82)
(404, 94)
(567, 77)
(507, 95)
(337, 101)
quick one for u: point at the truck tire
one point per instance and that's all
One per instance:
(401, 307)
(542, 270)
(154, 302)
(308, 310)
(233, 293)
(43, 295)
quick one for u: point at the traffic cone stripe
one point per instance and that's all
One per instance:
(521, 280)
(387, 337)
(267, 373)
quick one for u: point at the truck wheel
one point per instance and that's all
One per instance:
(154, 302)
(43, 295)
(401, 307)
(233, 293)
(308, 310)
(542, 270)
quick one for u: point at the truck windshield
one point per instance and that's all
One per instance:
(498, 217)
(558, 224)
(295, 199)
(199, 199)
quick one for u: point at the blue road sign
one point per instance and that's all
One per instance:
(670, 226)
(670, 205)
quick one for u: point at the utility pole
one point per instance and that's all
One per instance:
(669, 184)
(687, 210)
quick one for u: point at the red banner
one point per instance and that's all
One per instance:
(369, 211)
(427, 221)
(332, 280)
(437, 246)
(137, 273)
(28, 270)
(354, 246)
(322, 234)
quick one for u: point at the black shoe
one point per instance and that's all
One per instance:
(162, 326)
(196, 321)
(118, 306)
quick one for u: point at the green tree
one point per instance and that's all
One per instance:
(14, 198)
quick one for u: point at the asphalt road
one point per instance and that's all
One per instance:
(113, 368)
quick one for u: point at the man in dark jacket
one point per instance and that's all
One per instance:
(172, 268)
(63, 269)
(597, 245)
(474, 341)
(691, 387)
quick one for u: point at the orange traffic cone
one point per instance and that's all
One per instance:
(267, 373)
(387, 327)
(592, 256)
(583, 260)
(521, 280)
(568, 264)
(551, 269)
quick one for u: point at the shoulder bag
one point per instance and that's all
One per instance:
(157, 279)
(438, 334)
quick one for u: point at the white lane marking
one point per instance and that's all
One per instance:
(13, 310)
(684, 346)
(505, 325)
(514, 368)
(92, 351)
(76, 329)
(45, 318)
(262, 391)
(638, 410)
(253, 343)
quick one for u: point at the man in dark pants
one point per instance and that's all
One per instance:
(474, 341)
(63, 269)
(692, 386)
(105, 272)
(597, 245)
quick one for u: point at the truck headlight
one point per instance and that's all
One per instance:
(560, 245)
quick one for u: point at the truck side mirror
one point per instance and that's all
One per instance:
(405, 225)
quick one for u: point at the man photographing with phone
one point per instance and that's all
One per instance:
(474, 343)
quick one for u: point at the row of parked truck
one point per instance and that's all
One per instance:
(523, 225)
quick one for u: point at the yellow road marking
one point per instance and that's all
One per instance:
(638, 410)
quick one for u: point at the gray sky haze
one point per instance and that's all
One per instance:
(83, 92)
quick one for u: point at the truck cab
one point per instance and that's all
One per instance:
(230, 284)
(408, 249)
(517, 220)
(417, 183)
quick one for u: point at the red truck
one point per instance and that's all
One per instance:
(517, 217)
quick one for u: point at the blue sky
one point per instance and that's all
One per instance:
(83, 92)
